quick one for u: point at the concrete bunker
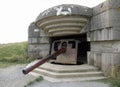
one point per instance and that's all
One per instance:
(100, 27)
(62, 25)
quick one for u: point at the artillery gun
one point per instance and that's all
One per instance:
(32, 66)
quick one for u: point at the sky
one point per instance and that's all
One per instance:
(16, 16)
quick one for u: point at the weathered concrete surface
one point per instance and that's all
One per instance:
(38, 42)
(105, 61)
(64, 19)
(68, 73)
(104, 36)
(65, 9)
(106, 46)
(109, 18)
(69, 84)
(108, 4)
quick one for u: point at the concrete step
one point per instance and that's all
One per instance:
(59, 73)
(73, 79)
(68, 79)
(68, 75)
(67, 68)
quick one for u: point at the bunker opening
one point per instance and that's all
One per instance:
(76, 46)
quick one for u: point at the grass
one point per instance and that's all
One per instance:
(6, 64)
(36, 80)
(13, 53)
(112, 81)
(115, 82)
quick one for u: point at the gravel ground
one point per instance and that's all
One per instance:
(68, 84)
(13, 77)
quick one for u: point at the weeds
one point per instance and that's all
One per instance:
(40, 78)
(13, 53)
(112, 81)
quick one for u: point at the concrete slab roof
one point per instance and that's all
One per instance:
(65, 9)
(64, 19)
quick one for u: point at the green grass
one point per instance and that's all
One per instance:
(13, 53)
(40, 78)
(112, 81)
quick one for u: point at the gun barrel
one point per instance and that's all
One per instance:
(26, 70)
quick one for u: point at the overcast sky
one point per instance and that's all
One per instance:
(16, 15)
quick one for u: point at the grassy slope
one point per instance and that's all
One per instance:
(13, 53)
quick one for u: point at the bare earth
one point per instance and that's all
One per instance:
(13, 77)
(68, 84)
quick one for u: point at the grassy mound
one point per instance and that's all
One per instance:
(13, 53)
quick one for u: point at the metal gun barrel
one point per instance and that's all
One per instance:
(26, 70)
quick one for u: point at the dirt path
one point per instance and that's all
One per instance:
(13, 77)
(68, 84)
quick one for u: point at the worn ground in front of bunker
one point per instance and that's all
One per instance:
(44, 83)
(12, 77)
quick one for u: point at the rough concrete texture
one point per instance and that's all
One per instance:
(68, 73)
(69, 84)
(105, 36)
(43, 40)
(106, 46)
(65, 9)
(31, 31)
(64, 19)
(108, 4)
(38, 50)
(105, 61)
(38, 42)
(109, 18)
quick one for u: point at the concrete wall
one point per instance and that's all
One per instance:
(38, 42)
(104, 36)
